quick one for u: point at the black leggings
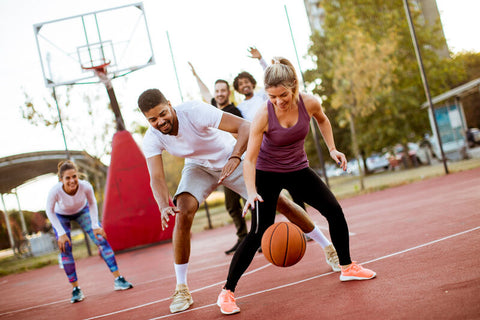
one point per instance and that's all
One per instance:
(303, 184)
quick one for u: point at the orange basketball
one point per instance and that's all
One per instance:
(283, 244)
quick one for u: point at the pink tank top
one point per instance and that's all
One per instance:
(282, 149)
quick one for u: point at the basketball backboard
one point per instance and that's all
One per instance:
(71, 47)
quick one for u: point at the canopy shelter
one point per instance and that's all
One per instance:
(451, 119)
(18, 169)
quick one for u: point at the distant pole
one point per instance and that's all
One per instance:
(424, 80)
(7, 223)
(61, 123)
(174, 67)
(313, 124)
(54, 93)
(20, 212)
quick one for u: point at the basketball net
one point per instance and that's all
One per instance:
(101, 72)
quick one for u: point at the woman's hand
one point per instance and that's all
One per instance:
(99, 232)
(339, 158)
(62, 240)
(250, 203)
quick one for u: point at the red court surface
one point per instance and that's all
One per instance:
(422, 239)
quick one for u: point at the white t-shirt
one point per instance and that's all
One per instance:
(58, 201)
(249, 107)
(198, 140)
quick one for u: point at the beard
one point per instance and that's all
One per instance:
(166, 128)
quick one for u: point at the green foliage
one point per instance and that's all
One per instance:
(84, 119)
(173, 171)
(368, 69)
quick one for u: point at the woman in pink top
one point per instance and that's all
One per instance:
(276, 159)
(69, 200)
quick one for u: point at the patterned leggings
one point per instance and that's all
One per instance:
(83, 219)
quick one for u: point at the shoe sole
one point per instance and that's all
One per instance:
(122, 288)
(184, 308)
(77, 300)
(233, 312)
(349, 278)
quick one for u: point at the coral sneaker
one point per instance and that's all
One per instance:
(226, 302)
(356, 272)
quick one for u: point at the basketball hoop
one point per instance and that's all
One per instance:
(100, 71)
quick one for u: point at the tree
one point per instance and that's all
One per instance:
(394, 109)
(362, 74)
(86, 125)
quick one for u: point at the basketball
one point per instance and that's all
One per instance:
(283, 244)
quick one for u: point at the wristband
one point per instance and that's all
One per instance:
(235, 157)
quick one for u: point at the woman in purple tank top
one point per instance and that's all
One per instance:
(275, 160)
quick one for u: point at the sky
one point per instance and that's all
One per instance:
(213, 34)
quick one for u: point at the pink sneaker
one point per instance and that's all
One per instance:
(356, 272)
(226, 302)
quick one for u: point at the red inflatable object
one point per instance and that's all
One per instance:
(131, 217)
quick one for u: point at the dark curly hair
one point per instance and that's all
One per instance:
(244, 75)
(150, 98)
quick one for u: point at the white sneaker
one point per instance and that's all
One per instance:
(182, 299)
(332, 258)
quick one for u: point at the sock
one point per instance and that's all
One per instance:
(318, 236)
(181, 273)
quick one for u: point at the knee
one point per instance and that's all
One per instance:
(184, 218)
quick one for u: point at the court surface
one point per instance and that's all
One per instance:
(422, 239)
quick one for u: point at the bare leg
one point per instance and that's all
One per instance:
(188, 205)
(295, 214)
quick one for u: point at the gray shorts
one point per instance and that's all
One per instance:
(200, 181)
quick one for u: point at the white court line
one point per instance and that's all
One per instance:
(250, 272)
(137, 284)
(285, 285)
(164, 299)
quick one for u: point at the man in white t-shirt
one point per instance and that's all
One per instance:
(202, 134)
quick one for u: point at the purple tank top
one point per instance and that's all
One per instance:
(282, 149)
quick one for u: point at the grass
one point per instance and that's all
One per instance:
(15, 264)
(343, 187)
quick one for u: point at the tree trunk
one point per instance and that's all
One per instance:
(356, 150)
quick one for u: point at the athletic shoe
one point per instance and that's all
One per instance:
(122, 284)
(77, 295)
(356, 272)
(182, 299)
(332, 258)
(226, 302)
